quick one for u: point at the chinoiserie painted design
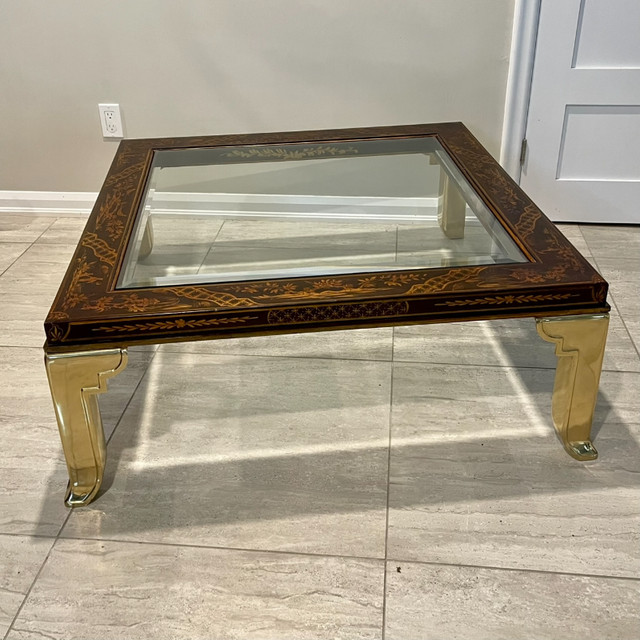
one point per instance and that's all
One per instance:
(496, 300)
(100, 248)
(556, 279)
(170, 325)
(280, 153)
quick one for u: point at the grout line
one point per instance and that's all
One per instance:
(330, 358)
(53, 220)
(28, 593)
(262, 355)
(333, 359)
(27, 535)
(211, 246)
(516, 569)
(31, 244)
(350, 557)
(16, 259)
(386, 521)
(182, 352)
(307, 554)
(498, 366)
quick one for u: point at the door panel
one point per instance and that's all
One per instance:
(583, 128)
(607, 35)
(605, 129)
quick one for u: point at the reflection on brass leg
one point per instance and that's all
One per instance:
(146, 246)
(451, 207)
(580, 342)
(75, 380)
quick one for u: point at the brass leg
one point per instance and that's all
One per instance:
(75, 380)
(451, 208)
(146, 246)
(580, 342)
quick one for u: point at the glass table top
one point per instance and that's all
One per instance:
(259, 212)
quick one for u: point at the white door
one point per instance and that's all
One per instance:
(582, 162)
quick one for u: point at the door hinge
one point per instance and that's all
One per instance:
(523, 151)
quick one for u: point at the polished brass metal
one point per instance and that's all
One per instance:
(75, 381)
(580, 342)
(451, 207)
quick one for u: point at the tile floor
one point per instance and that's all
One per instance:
(399, 483)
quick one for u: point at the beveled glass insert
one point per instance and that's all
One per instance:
(264, 212)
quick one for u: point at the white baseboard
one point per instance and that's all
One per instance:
(392, 209)
(47, 203)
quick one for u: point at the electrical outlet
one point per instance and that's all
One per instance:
(110, 120)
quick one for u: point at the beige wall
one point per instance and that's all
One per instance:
(225, 66)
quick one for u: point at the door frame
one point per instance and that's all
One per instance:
(524, 36)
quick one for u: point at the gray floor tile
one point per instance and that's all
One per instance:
(41, 261)
(23, 227)
(478, 476)
(10, 252)
(360, 344)
(623, 275)
(290, 454)
(31, 497)
(17, 332)
(512, 343)
(287, 249)
(64, 231)
(265, 262)
(612, 241)
(20, 559)
(427, 246)
(466, 603)
(313, 233)
(32, 471)
(27, 289)
(122, 387)
(260, 453)
(117, 590)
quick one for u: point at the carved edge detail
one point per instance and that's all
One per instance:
(354, 311)
(169, 325)
(506, 299)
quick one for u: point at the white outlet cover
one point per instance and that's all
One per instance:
(110, 120)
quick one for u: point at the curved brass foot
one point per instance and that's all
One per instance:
(75, 381)
(580, 342)
(583, 450)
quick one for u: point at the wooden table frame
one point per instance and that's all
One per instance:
(91, 322)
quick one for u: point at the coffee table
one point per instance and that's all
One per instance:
(240, 235)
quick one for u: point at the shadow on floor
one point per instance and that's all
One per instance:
(252, 485)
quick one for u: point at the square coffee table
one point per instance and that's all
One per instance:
(241, 235)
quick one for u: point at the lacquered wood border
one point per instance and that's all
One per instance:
(557, 278)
